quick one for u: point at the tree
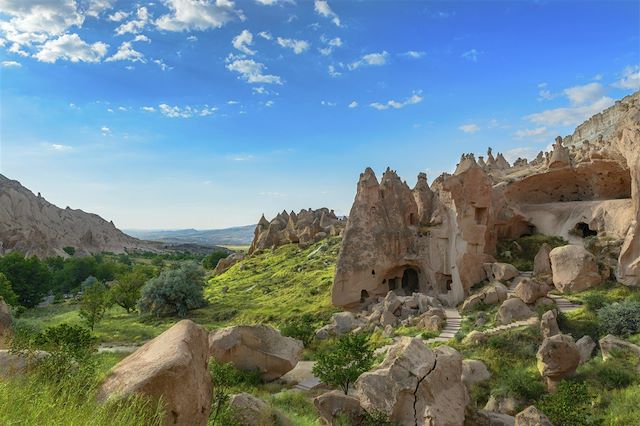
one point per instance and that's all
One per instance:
(174, 291)
(6, 292)
(302, 328)
(94, 301)
(30, 278)
(125, 292)
(211, 260)
(343, 363)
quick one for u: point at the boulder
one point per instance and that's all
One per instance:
(388, 319)
(391, 302)
(475, 338)
(611, 343)
(474, 371)
(506, 405)
(12, 364)
(416, 386)
(173, 366)
(529, 291)
(513, 310)
(249, 410)
(557, 358)
(542, 262)
(344, 322)
(503, 271)
(257, 347)
(549, 324)
(335, 404)
(492, 294)
(490, 418)
(531, 416)
(574, 268)
(430, 322)
(227, 262)
(585, 346)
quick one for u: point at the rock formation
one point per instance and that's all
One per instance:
(557, 358)
(574, 268)
(173, 366)
(336, 405)
(258, 347)
(305, 227)
(33, 226)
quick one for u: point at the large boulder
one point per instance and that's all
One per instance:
(416, 386)
(475, 338)
(12, 363)
(512, 310)
(503, 271)
(492, 294)
(585, 346)
(490, 418)
(256, 347)
(474, 371)
(336, 405)
(504, 405)
(171, 367)
(549, 324)
(557, 358)
(529, 290)
(225, 263)
(611, 343)
(541, 262)
(531, 416)
(574, 268)
(249, 410)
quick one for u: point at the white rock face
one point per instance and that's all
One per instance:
(574, 268)
(33, 226)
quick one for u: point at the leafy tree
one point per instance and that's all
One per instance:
(224, 377)
(6, 292)
(69, 250)
(94, 301)
(212, 259)
(343, 363)
(301, 328)
(29, 277)
(620, 319)
(74, 271)
(173, 291)
(125, 292)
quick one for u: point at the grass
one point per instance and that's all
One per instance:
(520, 252)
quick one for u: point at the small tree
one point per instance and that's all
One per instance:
(301, 328)
(343, 363)
(173, 291)
(94, 301)
(6, 292)
(125, 292)
(211, 260)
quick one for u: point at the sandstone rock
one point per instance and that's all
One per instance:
(227, 262)
(391, 302)
(388, 319)
(474, 371)
(258, 347)
(513, 310)
(332, 404)
(531, 416)
(574, 268)
(249, 410)
(585, 346)
(12, 364)
(344, 322)
(542, 262)
(430, 322)
(503, 271)
(173, 366)
(416, 386)
(506, 405)
(491, 418)
(611, 343)
(529, 291)
(549, 324)
(475, 338)
(557, 358)
(492, 294)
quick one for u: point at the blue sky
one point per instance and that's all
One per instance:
(205, 113)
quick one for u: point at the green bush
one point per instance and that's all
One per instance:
(620, 319)
(302, 328)
(595, 301)
(224, 377)
(520, 252)
(29, 277)
(520, 384)
(6, 292)
(174, 291)
(580, 323)
(570, 405)
(69, 250)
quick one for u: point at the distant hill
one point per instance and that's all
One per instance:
(238, 235)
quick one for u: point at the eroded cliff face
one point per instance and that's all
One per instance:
(33, 226)
(435, 239)
(305, 227)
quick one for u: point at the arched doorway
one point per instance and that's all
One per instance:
(410, 281)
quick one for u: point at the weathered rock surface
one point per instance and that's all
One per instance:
(173, 366)
(530, 290)
(490, 418)
(475, 338)
(12, 364)
(474, 371)
(503, 271)
(227, 262)
(6, 321)
(305, 227)
(557, 358)
(549, 324)
(416, 386)
(531, 416)
(249, 410)
(33, 226)
(506, 405)
(258, 347)
(574, 268)
(492, 294)
(542, 262)
(512, 310)
(335, 404)
(585, 346)
(611, 343)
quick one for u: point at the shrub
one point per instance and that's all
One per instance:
(125, 292)
(6, 292)
(519, 383)
(620, 319)
(173, 291)
(94, 301)
(301, 328)
(69, 250)
(224, 377)
(524, 249)
(624, 408)
(595, 301)
(341, 365)
(570, 405)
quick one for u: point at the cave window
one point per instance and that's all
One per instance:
(448, 283)
(373, 272)
(410, 281)
(364, 295)
(481, 214)
(582, 229)
(392, 284)
(412, 219)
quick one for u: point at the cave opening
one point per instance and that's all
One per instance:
(410, 281)
(364, 295)
(582, 229)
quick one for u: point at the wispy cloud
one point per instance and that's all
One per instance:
(323, 9)
(471, 55)
(353, 104)
(416, 98)
(242, 42)
(370, 59)
(57, 147)
(298, 46)
(469, 128)
(186, 111)
(415, 54)
(252, 71)
(524, 133)
(11, 64)
(630, 78)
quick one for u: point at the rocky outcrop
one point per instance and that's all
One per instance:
(531, 416)
(574, 268)
(557, 358)
(610, 343)
(227, 262)
(542, 262)
(257, 347)
(335, 405)
(416, 386)
(305, 227)
(249, 410)
(31, 225)
(14, 363)
(549, 324)
(171, 367)
(492, 294)
(530, 290)
(474, 371)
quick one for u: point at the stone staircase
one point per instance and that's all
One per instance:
(451, 326)
(563, 304)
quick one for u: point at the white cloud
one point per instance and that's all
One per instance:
(192, 38)
(105, 130)
(148, 109)
(118, 16)
(37, 20)
(524, 133)
(331, 44)
(126, 53)
(513, 154)
(370, 59)
(252, 71)
(327, 103)
(630, 78)
(233, 103)
(242, 42)
(471, 55)
(333, 72)
(545, 94)
(198, 14)
(322, 8)
(136, 25)
(11, 64)
(185, 112)
(570, 116)
(580, 95)
(353, 104)
(142, 37)
(415, 54)
(162, 65)
(269, 104)
(15, 48)
(298, 46)
(469, 128)
(57, 147)
(274, 2)
(96, 7)
(265, 35)
(260, 90)
(416, 98)
(72, 48)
